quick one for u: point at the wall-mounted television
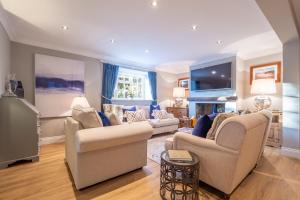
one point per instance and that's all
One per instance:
(212, 78)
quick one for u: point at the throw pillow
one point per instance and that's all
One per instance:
(160, 114)
(125, 109)
(152, 108)
(104, 119)
(88, 117)
(202, 126)
(114, 119)
(216, 123)
(136, 116)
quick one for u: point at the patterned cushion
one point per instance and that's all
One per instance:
(135, 116)
(152, 108)
(87, 117)
(216, 123)
(160, 114)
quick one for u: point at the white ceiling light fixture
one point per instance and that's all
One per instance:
(112, 41)
(194, 27)
(213, 72)
(154, 3)
(219, 42)
(147, 51)
(64, 27)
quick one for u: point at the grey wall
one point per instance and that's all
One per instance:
(22, 63)
(248, 99)
(4, 57)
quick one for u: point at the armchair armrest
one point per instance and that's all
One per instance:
(197, 142)
(105, 137)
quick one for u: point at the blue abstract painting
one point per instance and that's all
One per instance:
(57, 82)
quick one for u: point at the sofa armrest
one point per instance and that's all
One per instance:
(111, 136)
(199, 142)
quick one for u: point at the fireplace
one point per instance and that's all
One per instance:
(208, 108)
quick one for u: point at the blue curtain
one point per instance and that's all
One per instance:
(152, 81)
(109, 80)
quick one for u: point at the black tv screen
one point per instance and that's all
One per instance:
(211, 78)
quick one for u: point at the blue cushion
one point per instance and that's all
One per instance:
(129, 108)
(202, 126)
(153, 107)
(212, 116)
(105, 120)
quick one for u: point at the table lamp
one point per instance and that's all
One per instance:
(80, 101)
(263, 87)
(178, 94)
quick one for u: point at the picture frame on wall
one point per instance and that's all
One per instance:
(266, 71)
(184, 82)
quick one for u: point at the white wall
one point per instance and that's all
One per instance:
(4, 57)
(165, 84)
(22, 63)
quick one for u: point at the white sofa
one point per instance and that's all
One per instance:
(97, 154)
(227, 160)
(159, 126)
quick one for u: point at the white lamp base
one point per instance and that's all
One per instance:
(178, 102)
(262, 102)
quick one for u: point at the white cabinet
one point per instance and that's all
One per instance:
(19, 131)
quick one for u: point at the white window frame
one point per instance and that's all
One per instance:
(125, 72)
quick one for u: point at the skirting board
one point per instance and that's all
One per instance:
(295, 153)
(52, 140)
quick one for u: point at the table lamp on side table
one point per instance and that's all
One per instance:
(178, 94)
(263, 87)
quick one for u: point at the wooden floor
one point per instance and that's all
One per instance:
(276, 177)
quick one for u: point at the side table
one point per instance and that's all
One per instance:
(179, 180)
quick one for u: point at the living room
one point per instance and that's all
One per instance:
(135, 81)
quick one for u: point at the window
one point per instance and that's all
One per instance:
(132, 84)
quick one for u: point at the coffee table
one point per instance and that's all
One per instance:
(179, 180)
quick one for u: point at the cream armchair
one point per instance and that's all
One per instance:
(227, 160)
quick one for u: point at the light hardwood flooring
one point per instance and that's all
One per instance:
(276, 177)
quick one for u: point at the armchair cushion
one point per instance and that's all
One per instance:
(160, 114)
(156, 123)
(88, 117)
(216, 123)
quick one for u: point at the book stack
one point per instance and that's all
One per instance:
(180, 155)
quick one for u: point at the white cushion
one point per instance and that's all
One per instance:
(135, 116)
(114, 119)
(88, 117)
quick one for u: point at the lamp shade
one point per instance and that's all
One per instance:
(179, 92)
(263, 86)
(80, 101)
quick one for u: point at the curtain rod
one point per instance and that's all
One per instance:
(134, 67)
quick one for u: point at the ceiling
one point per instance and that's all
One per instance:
(135, 25)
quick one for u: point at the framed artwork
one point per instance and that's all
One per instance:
(266, 71)
(57, 82)
(183, 82)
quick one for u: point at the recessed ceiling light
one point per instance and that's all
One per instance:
(112, 41)
(154, 3)
(219, 42)
(222, 75)
(64, 27)
(213, 72)
(194, 27)
(147, 51)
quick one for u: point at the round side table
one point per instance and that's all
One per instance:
(179, 180)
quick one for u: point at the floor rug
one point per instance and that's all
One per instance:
(156, 145)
